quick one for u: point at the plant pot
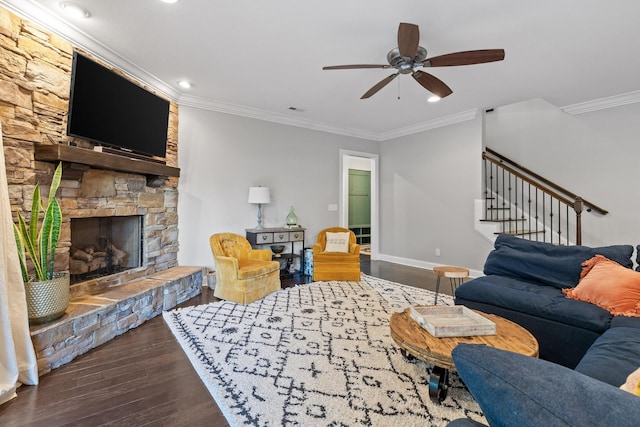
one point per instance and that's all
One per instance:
(47, 300)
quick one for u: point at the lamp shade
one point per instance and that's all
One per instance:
(259, 195)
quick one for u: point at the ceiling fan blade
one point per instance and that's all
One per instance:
(468, 57)
(382, 83)
(355, 66)
(432, 84)
(408, 39)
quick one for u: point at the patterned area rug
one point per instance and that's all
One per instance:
(316, 355)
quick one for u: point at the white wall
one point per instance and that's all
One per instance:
(428, 183)
(221, 156)
(594, 155)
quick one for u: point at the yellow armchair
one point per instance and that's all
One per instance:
(243, 274)
(329, 265)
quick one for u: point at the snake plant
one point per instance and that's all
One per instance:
(40, 244)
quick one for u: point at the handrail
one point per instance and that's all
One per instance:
(529, 172)
(514, 195)
(547, 190)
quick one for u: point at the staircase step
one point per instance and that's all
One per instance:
(504, 220)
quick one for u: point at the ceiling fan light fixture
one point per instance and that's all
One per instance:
(74, 10)
(169, 1)
(409, 55)
(434, 98)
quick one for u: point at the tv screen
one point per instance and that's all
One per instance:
(106, 108)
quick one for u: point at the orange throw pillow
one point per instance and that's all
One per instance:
(609, 285)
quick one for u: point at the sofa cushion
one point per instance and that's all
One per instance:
(613, 356)
(554, 265)
(625, 321)
(249, 268)
(608, 285)
(516, 390)
(534, 299)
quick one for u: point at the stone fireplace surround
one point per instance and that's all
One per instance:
(35, 75)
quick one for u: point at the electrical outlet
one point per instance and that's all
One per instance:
(437, 251)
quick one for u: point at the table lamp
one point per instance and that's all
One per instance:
(259, 196)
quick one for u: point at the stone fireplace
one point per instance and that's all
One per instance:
(97, 191)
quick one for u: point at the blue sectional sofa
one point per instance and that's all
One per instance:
(516, 390)
(524, 282)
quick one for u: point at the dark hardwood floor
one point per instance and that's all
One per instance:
(143, 378)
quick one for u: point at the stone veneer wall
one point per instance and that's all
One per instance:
(35, 77)
(92, 320)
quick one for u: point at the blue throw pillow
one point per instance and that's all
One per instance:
(553, 265)
(516, 390)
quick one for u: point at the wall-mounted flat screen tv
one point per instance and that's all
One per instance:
(108, 109)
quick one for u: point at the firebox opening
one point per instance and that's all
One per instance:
(105, 245)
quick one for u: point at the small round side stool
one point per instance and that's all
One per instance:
(456, 276)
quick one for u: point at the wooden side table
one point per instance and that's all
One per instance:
(258, 237)
(415, 341)
(456, 276)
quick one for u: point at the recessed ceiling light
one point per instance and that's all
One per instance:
(74, 10)
(183, 83)
(169, 1)
(434, 98)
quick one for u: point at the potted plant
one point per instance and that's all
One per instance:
(47, 292)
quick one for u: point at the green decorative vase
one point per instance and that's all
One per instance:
(47, 300)
(292, 219)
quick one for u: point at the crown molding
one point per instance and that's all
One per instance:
(255, 113)
(431, 124)
(603, 103)
(34, 12)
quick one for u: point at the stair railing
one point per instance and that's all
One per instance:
(529, 205)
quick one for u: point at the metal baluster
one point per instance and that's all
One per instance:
(544, 216)
(537, 217)
(522, 207)
(568, 232)
(551, 218)
(529, 210)
(559, 223)
(486, 191)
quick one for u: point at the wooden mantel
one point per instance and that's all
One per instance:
(100, 160)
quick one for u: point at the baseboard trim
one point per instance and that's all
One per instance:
(426, 265)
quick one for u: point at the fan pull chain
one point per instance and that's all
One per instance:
(399, 88)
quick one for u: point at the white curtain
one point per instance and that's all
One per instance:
(18, 363)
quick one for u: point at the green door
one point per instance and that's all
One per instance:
(360, 204)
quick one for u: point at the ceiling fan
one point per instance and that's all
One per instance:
(409, 55)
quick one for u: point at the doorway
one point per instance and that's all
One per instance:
(367, 165)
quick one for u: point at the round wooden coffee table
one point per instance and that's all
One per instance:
(415, 341)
